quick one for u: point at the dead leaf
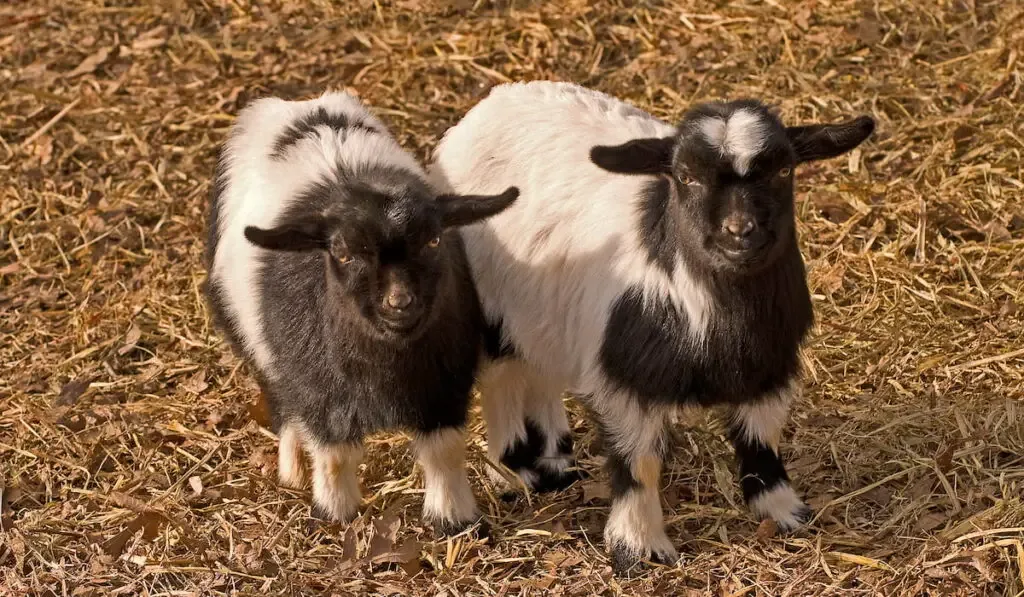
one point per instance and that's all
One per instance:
(196, 484)
(150, 523)
(259, 411)
(869, 32)
(963, 137)
(90, 63)
(44, 149)
(555, 557)
(141, 45)
(131, 339)
(831, 280)
(921, 488)
(767, 529)
(997, 231)
(197, 383)
(930, 521)
(593, 490)
(407, 552)
(348, 545)
(384, 535)
(944, 459)
(880, 495)
(71, 391)
(983, 563)
(6, 522)
(802, 17)
(558, 530)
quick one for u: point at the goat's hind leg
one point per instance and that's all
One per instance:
(527, 427)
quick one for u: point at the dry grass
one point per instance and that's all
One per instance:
(131, 466)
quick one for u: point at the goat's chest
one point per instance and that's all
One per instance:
(650, 350)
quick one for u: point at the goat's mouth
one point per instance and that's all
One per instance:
(745, 256)
(400, 325)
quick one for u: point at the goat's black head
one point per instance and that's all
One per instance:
(731, 166)
(386, 242)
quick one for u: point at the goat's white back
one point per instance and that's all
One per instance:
(551, 266)
(258, 188)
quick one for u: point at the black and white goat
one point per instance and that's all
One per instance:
(644, 266)
(334, 270)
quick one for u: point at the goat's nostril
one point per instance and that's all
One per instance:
(741, 227)
(398, 299)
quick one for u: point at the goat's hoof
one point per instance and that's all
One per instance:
(548, 481)
(796, 519)
(628, 561)
(782, 505)
(318, 512)
(540, 479)
(481, 528)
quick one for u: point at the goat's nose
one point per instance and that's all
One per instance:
(739, 226)
(398, 299)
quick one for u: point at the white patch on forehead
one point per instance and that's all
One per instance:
(740, 137)
(713, 129)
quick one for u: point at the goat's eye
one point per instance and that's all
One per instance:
(687, 180)
(343, 259)
(785, 172)
(434, 242)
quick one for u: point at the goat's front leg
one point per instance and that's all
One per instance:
(755, 429)
(448, 502)
(635, 437)
(291, 469)
(336, 494)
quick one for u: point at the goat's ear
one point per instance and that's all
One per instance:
(461, 210)
(639, 156)
(823, 141)
(301, 234)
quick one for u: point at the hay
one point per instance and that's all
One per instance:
(130, 463)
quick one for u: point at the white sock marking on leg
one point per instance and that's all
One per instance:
(782, 505)
(448, 496)
(335, 479)
(291, 469)
(636, 523)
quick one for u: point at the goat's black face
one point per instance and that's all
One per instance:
(732, 170)
(388, 255)
(732, 167)
(386, 243)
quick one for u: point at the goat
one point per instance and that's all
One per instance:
(335, 271)
(644, 267)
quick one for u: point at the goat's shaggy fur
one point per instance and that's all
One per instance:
(644, 267)
(335, 272)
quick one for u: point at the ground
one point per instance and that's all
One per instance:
(131, 462)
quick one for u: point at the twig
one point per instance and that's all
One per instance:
(50, 123)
